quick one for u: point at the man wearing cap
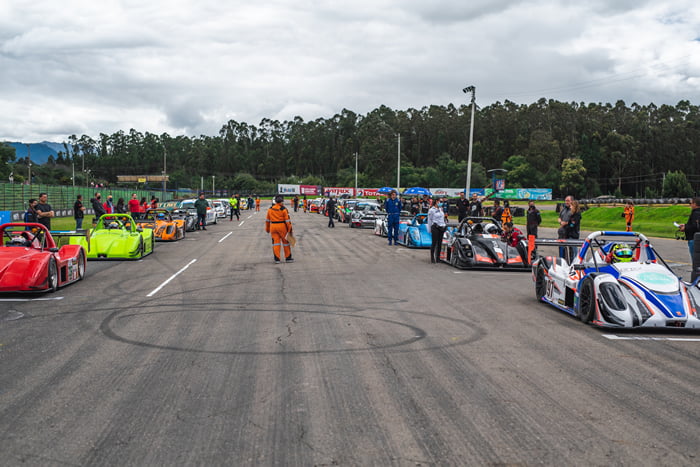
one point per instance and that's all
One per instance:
(201, 205)
(278, 225)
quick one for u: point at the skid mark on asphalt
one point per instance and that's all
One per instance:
(30, 299)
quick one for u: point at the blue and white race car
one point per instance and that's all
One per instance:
(415, 233)
(616, 280)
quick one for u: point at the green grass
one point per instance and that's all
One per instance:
(68, 223)
(651, 221)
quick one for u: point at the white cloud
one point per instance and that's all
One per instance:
(186, 67)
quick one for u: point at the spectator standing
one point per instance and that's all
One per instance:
(305, 204)
(134, 206)
(44, 213)
(250, 203)
(425, 204)
(445, 205)
(330, 210)
(693, 225)
(534, 219)
(120, 208)
(257, 203)
(393, 207)
(97, 207)
(201, 205)
(295, 203)
(564, 216)
(462, 207)
(497, 210)
(30, 213)
(78, 212)
(278, 225)
(475, 208)
(109, 205)
(506, 216)
(143, 207)
(437, 225)
(628, 214)
(154, 202)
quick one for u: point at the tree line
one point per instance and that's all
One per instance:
(584, 149)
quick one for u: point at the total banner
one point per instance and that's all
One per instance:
(368, 192)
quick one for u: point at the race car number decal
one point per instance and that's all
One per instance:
(549, 288)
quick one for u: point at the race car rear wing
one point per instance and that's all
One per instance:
(62, 237)
(558, 242)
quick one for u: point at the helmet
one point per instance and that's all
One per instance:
(622, 253)
(161, 215)
(491, 228)
(17, 240)
(113, 225)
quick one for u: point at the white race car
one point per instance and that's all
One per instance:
(615, 280)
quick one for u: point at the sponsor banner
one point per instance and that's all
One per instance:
(310, 190)
(368, 192)
(523, 193)
(454, 192)
(334, 190)
(283, 189)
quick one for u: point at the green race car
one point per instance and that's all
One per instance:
(115, 236)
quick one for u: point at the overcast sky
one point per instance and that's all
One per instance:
(187, 67)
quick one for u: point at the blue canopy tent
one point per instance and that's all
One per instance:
(416, 190)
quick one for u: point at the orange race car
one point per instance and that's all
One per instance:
(165, 228)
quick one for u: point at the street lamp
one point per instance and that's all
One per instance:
(398, 164)
(29, 164)
(467, 90)
(355, 174)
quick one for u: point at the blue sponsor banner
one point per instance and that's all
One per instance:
(5, 217)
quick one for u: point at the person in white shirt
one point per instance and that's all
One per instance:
(437, 226)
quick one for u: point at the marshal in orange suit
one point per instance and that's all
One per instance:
(278, 225)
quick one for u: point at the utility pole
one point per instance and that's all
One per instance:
(470, 89)
(29, 164)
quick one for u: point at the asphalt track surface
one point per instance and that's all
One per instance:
(207, 353)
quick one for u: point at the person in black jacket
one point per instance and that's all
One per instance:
(462, 207)
(534, 219)
(98, 207)
(693, 225)
(330, 210)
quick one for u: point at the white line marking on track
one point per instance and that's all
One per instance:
(647, 338)
(249, 216)
(241, 223)
(157, 289)
(29, 299)
(225, 237)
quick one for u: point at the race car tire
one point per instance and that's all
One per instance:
(540, 283)
(139, 251)
(52, 275)
(586, 301)
(81, 265)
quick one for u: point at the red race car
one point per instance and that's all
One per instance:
(30, 261)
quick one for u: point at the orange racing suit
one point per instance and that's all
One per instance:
(278, 225)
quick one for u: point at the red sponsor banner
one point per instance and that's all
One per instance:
(334, 190)
(368, 192)
(311, 190)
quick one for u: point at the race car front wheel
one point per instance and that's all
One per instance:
(540, 283)
(586, 301)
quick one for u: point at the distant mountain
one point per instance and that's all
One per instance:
(40, 152)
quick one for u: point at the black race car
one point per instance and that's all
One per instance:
(479, 243)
